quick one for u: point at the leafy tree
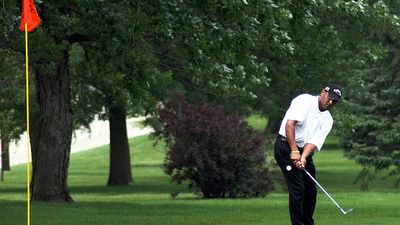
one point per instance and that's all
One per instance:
(216, 51)
(51, 127)
(215, 151)
(51, 118)
(260, 61)
(12, 103)
(211, 46)
(123, 72)
(370, 128)
(371, 135)
(112, 75)
(12, 117)
(64, 24)
(323, 48)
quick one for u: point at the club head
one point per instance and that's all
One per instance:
(347, 211)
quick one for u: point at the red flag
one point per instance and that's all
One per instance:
(29, 16)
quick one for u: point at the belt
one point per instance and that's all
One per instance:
(282, 138)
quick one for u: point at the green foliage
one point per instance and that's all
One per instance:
(12, 96)
(214, 151)
(371, 134)
(212, 48)
(243, 54)
(12, 75)
(116, 65)
(324, 36)
(370, 126)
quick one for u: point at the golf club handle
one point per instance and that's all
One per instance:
(327, 194)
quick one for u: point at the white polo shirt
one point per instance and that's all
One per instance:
(313, 126)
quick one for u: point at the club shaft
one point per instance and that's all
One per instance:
(327, 194)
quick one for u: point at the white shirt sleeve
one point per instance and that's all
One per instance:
(319, 137)
(298, 109)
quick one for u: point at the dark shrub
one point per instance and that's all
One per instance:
(215, 151)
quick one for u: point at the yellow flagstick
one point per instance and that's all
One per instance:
(28, 200)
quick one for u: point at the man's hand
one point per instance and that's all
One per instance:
(308, 149)
(298, 160)
(295, 156)
(302, 162)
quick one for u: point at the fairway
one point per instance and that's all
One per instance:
(148, 200)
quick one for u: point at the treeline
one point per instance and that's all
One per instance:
(116, 59)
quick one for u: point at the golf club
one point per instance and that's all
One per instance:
(288, 168)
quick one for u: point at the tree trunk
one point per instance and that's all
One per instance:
(120, 160)
(5, 155)
(51, 136)
(5, 152)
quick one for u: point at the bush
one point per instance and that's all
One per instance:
(216, 152)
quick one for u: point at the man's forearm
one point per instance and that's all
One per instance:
(290, 134)
(308, 149)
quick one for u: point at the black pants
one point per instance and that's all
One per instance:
(302, 190)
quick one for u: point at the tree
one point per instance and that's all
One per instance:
(114, 74)
(123, 72)
(12, 113)
(11, 89)
(221, 51)
(324, 49)
(265, 57)
(210, 48)
(51, 139)
(51, 117)
(370, 128)
(52, 126)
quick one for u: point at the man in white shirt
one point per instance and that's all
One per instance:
(303, 130)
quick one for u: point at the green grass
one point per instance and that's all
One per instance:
(148, 202)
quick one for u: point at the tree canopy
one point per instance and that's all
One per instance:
(371, 128)
(124, 57)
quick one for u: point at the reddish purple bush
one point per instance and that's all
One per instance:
(216, 152)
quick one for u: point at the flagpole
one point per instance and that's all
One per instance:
(27, 128)
(29, 19)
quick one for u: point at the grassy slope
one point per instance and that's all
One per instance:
(148, 200)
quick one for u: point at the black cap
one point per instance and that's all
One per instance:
(335, 92)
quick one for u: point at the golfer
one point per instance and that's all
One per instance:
(303, 130)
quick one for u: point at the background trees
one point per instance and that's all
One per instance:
(211, 49)
(113, 74)
(370, 133)
(11, 103)
(120, 58)
(12, 122)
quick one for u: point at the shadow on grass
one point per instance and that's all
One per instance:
(157, 185)
(135, 188)
(164, 211)
(104, 170)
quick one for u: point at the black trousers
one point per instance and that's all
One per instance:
(302, 189)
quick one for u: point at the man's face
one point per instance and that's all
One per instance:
(326, 102)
